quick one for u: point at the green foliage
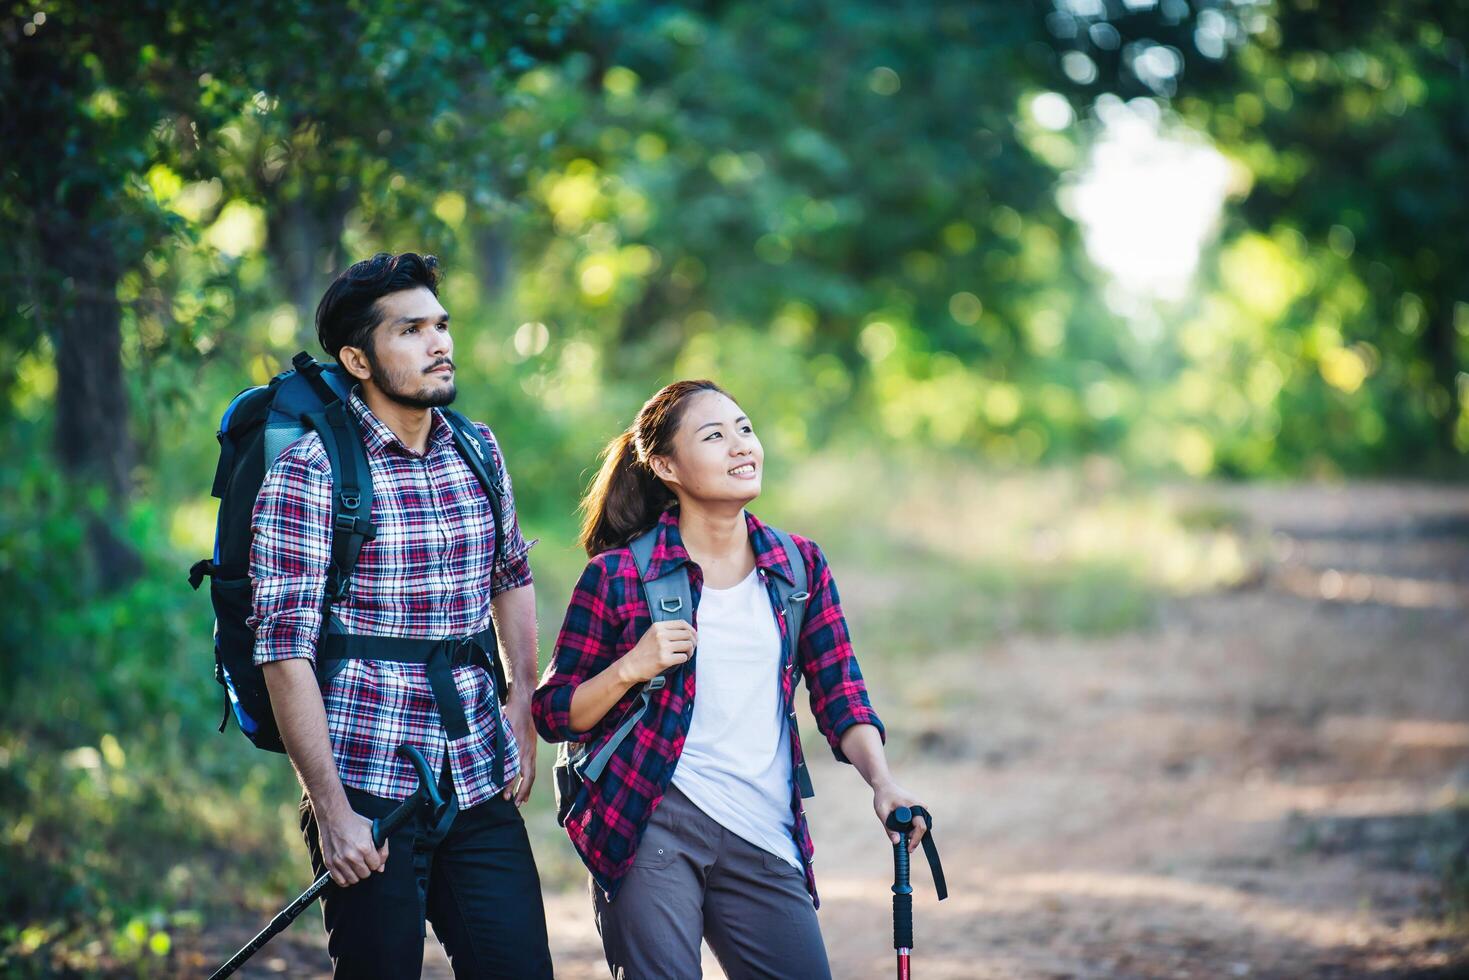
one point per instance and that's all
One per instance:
(130, 820)
(1336, 334)
(848, 214)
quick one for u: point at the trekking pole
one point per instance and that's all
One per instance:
(901, 820)
(427, 794)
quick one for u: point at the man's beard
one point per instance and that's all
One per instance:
(398, 386)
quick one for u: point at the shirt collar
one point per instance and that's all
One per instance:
(669, 551)
(377, 437)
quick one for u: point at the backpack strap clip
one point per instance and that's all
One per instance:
(353, 524)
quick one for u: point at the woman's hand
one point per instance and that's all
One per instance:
(862, 745)
(665, 645)
(887, 796)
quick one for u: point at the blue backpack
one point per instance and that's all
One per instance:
(256, 428)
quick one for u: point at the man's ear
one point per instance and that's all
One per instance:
(354, 361)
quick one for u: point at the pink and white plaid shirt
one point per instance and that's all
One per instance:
(426, 575)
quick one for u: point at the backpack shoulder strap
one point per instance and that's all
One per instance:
(475, 449)
(668, 595)
(793, 594)
(668, 598)
(352, 525)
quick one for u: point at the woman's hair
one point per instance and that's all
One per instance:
(626, 498)
(348, 313)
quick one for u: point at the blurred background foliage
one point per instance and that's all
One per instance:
(1183, 237)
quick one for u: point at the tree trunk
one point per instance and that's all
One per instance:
(493, 252)
(305, 234)
(92, 440)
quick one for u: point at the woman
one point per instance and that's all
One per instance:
(696, 827)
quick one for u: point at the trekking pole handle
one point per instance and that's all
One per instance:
(427, 794)
(901, 820)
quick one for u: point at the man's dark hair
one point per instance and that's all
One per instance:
(348, 313)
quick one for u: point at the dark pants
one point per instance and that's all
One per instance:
(483, 898)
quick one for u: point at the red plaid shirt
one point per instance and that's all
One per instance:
(607, 617)
(426, 575)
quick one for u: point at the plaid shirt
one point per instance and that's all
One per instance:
(607, 617)
(427, 574)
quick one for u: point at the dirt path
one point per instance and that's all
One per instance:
(1244, 790)
(1260, 785)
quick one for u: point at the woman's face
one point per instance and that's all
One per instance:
(716, 458)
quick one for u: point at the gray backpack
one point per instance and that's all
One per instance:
(669, 598)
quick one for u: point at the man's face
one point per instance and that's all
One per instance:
(412, 357)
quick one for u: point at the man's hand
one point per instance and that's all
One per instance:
(346, 845)
(517, 714)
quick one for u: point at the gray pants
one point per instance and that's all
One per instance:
(693, 879)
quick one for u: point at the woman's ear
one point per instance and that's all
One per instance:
(663, 469)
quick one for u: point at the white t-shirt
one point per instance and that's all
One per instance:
(736, 761)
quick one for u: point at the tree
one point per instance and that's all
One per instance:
(354, 109)
(1352, 120)
(88, 107)
(307, 111)
(839, 183)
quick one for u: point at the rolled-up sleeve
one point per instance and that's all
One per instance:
(512, 570)
(834, 681)
(291, 553)
(586, 646)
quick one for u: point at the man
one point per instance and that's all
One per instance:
(427, 575)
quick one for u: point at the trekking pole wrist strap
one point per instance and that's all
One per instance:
(931, 851)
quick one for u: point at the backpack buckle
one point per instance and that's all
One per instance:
(800, 596)
(671, 604)
(337, 586)
(462, 650)
(350, 500)
(355, 525)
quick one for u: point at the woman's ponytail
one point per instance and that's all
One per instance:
(626, 498)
